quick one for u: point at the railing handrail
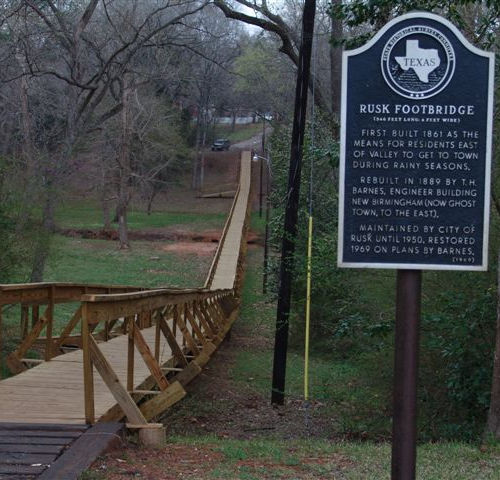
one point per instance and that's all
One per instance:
(44, 293)
(220, 246)
(216, 256)
(31, 286)
(118, 297)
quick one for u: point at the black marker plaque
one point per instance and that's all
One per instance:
(417, 109)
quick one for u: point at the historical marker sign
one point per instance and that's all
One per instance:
(417, 111)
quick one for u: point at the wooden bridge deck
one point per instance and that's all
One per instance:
(225, 272)
(53, 392)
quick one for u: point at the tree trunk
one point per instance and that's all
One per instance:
(106, 212)
(122, 227)
(264, 135)
(202, 158)
(125, 168)
(42, 247)
(151, 198)
(493, 422)
(336, 69)
(27, 195)
(196, 161)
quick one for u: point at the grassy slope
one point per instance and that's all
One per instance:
(337, 394)
(145, 264)
(337, 385)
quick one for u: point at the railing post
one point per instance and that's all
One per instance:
(174, 322)
(130, 353)
(157, 337)
(50, 322)
(88, 373)
(24, 321)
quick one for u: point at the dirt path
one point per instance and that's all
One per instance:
(254, 143)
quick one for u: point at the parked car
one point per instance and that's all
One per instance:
(221, 144)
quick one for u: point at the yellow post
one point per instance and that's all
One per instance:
(308, 310)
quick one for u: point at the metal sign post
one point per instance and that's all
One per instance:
(404, 426)
(415, 160)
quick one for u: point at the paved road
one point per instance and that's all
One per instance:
(254, 143)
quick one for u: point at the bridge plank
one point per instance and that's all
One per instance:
(40, 433)
(23, 440)
(26, 458)
(20, 470)
(84, 451)
(23, 448)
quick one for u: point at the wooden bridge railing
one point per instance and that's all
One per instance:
(215, 259)
(190, 322)
(38, 302)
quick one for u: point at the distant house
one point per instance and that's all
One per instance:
(237, 120)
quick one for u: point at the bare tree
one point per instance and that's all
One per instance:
(285, 27)
(213, 49)
(79, 54)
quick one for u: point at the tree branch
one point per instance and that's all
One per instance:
(279, 29)
(276, 25)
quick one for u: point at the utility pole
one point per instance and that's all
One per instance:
(292, 205)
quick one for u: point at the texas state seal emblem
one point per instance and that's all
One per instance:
(418, 62)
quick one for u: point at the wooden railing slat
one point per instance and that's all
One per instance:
(171, 340)
(185, 332)
(130, 352)
(70, 326)
(113, 383)
(194, 325)
(13, 360)
(149, 360)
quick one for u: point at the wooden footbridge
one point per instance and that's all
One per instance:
(125, 354)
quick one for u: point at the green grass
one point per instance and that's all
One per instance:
(318, 459)
(257, 223)
(356, 402)
(85, 214)
(356, 398)
(144, 264)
